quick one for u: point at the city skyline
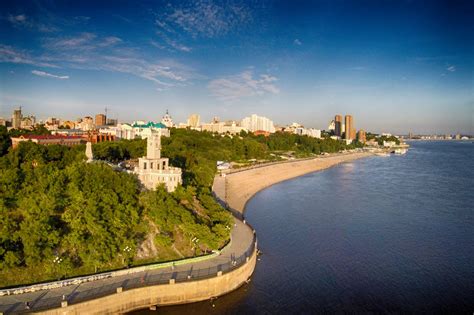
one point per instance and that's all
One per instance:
(397, 67)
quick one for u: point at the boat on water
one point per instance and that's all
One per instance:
(400, 151)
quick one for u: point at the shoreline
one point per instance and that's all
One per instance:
(236, 189)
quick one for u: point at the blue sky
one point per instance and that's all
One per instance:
(396, 66)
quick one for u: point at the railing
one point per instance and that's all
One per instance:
(131, 283)
(265, 164)
(139, 281)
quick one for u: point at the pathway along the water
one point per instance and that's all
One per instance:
(380, 235)
(236, 189)
(241, 245)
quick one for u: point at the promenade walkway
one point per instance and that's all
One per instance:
(242, 237)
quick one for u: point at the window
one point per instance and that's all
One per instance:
(144, 165)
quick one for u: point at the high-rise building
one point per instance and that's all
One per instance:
(194, 120)
(16, 118)
(361, 136)
(254, 123)
(350, 131)
(337, 125)
(100, 120)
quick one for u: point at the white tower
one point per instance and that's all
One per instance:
(89, 154)
(153, 146)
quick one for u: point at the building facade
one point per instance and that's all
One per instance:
(254, 123)
(86, 124)
(361, 136)
(194, 121)
(100, 120)
(28, 122)
(338, 125)
(230, 127)
(49, 140)
(167, 120)
(350, 131)
(16, 118)
(153, 170)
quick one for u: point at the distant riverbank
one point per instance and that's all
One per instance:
(241, 186)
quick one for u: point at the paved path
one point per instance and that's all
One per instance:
(241, 240)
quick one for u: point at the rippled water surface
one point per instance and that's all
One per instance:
(382, 234)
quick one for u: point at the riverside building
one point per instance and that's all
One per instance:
(153, 170)
(350, 131)
(254, 123)
(338, 125)
(361, 136)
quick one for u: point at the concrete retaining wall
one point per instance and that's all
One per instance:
(160, 295)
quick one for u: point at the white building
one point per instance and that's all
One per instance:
(332, 126)
(389, 144)
(254, 123)
(86, 124)
(138, 129)
(315, 133)
(223, 127)
(153, 170)
(167, 120)
(194, 121)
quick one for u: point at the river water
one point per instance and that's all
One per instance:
(381, 234)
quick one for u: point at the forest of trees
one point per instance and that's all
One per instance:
(61, 217)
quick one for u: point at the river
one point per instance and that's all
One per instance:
(381, 234)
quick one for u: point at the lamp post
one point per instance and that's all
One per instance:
(126, 251)
(57, 261)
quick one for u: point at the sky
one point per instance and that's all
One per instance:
(396, 66)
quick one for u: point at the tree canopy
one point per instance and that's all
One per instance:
(61, 217)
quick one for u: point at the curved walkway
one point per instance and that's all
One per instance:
(242, 241)
(233, 190)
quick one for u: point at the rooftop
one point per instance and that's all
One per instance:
(43, 137)
(150, 124)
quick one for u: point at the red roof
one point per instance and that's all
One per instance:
(44, 137)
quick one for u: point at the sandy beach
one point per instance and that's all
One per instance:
(241, 186)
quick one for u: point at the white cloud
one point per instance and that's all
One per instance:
(208, 19)
(17, 19)
(201, 18)
(82, 42)
(178, 46)
(242, 85)
(10, 54)
(22, 21)
(109, 41)
(88, 51)
(174, 73)
(451, 68)
(49, 75)
(297, 42)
